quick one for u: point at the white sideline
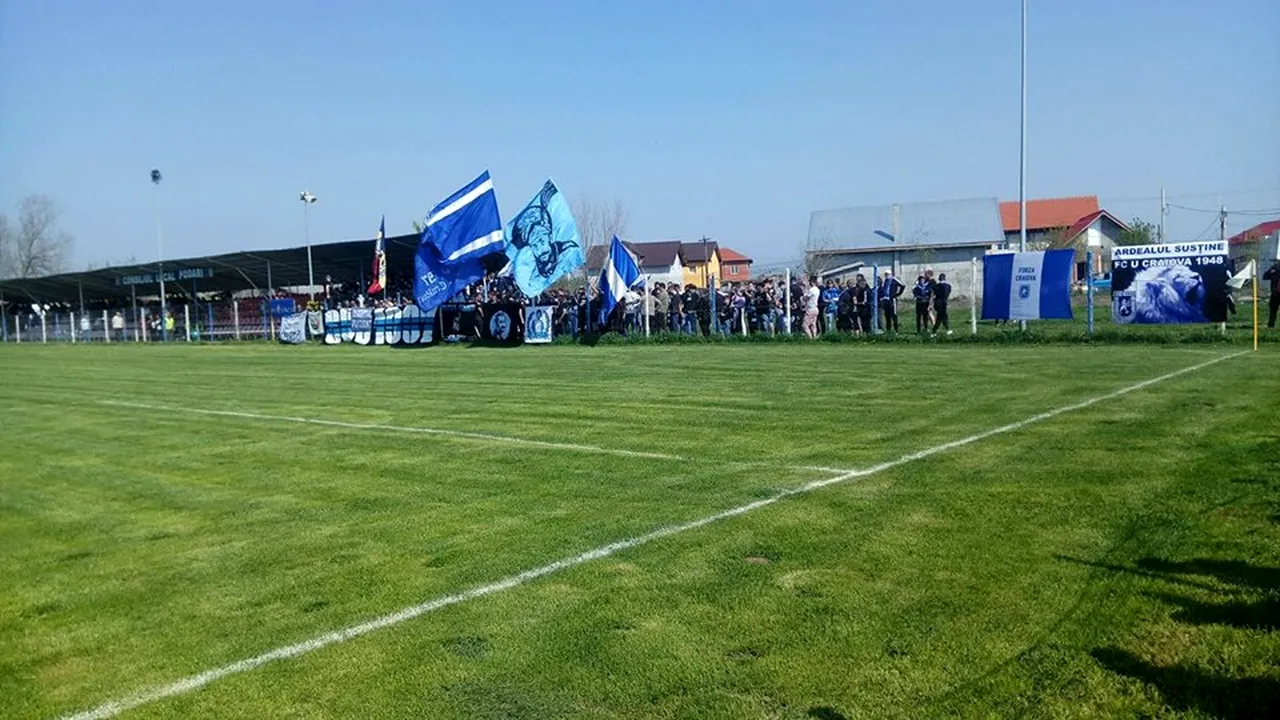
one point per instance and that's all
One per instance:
(195, 682)
(461, 434)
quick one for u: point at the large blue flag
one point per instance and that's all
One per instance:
(620, 273)
(543, 242)
(1027, 286)
(434, 282)
(466, 225)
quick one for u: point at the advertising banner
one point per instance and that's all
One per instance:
(1170, 284)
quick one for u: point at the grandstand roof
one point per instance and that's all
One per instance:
(227, 272)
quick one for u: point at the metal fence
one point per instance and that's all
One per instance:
(248, 319)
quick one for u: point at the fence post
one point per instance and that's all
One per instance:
(973, 296)
(875, 299)
(73, 327)
(106, 328)
(186, 320)
(1088, 292)
(235, 316)
(787, 298)
(17, 328)
(44, 329)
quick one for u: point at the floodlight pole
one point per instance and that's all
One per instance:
(307, 200)
(1022, 152)
(164, 306)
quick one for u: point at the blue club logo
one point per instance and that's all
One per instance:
(1024, 292)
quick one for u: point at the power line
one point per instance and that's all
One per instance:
(1215, 211)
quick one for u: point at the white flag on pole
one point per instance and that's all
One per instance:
(1238, 280)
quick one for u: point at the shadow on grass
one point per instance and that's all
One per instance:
(1256, 615)
(825, 713)
(1234, 572)
(1192, 689)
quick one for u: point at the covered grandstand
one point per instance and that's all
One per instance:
(208, 296)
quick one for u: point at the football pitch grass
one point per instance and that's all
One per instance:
(773, 531)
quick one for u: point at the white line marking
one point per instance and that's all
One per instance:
(195, 682)
(489, 437)
(464, 435)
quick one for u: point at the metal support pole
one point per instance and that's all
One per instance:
(17, 328)
(186, 320)
(208, 329)
(711, 297)
(1022, 152)
(44, 330)
(973, 296)
(306, 228)
(875, 299)
(1088, 276)
(73, 327)
(648, 306)
(106, 328)
(235, 316)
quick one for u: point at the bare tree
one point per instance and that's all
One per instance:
(598, 222)
(6, 248)
(38, 246)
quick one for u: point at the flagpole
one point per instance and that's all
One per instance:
(1257, 266)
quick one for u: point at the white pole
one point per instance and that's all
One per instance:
(164, 306)
(106, 328)
(186, 320)
(787, 294)
(73, 327)
(648, 305)
(17, 329)
(235, 316)
(307, 199)
(973, 296)
(1022, 152)
(44, 330)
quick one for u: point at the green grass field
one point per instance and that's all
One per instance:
(166, 511)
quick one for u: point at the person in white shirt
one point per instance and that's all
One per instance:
(811, 309)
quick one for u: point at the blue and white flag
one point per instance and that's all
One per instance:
(466, 225)
(620, 273)
(543, 242)
(434, 282)
(1027, 286)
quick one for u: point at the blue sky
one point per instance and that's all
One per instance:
(729, 119)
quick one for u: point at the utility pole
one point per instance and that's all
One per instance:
(1022, 154)
(1222, 224)
(1164, 210)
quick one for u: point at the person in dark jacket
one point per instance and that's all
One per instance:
(941, 295)
(861, 305)
(888, 292)
(923, 293)
(1272, 275)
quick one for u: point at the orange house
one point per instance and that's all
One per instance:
(734, 266)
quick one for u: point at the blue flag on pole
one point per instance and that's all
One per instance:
(434, 282)
(1027, 286)
(466, 225)
(620, 273)
(543, 242)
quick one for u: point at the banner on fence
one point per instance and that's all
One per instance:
(1027, 285)
(537, 326)
(315, 323)
(293, 329)
(1170, 283)
(503, 323)
(384, 326)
